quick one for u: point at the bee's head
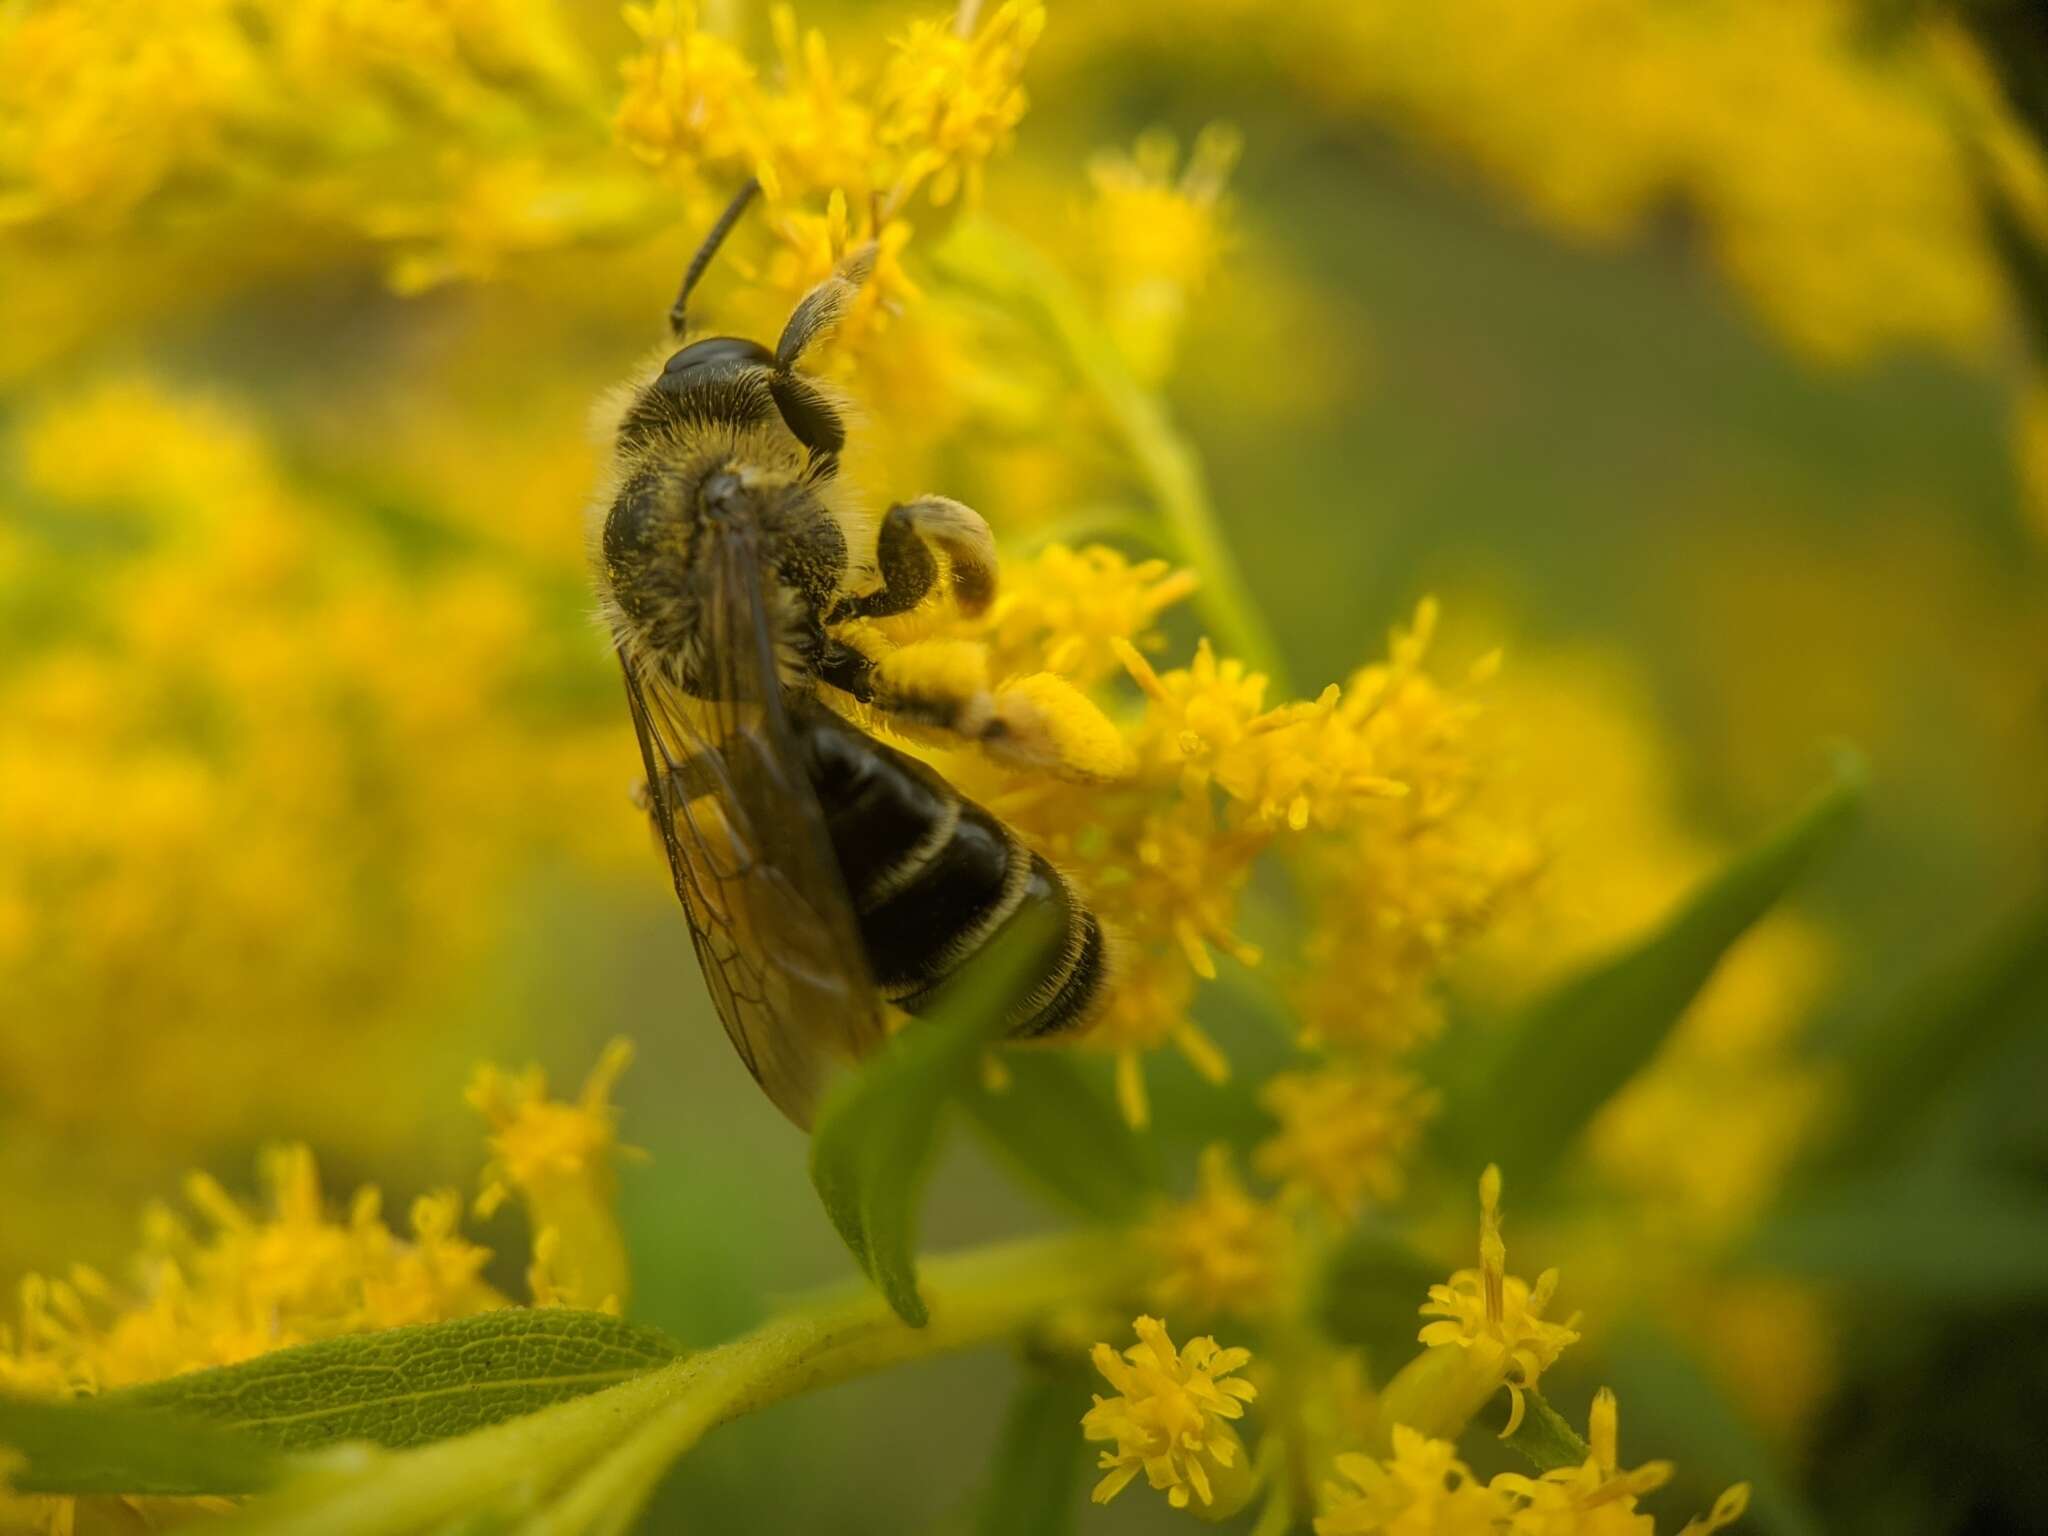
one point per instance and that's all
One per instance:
(729, 381)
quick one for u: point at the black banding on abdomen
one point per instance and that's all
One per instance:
(934, 879)
(919, 935)
(1073, 999)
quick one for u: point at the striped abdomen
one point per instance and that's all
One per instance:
(933, 877)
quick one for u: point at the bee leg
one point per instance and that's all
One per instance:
(823, 307)
(848, 670)
(806, 409)
(1039, 723)
(903, 553)
(936, 685)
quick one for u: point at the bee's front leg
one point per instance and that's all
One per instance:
(904, 546)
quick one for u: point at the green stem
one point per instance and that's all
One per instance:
(1174, 474)
(975, 1298)
(629, 1434)
(994, 258)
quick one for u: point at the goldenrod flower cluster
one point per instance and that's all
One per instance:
(1217, 778)
(235, 1279)
(1156, 236)
(253, 776)
(446, 137)
(947, 99)
(839, 152)
(1224, 1252)
(1424, 1488)
(560, 1159)
(246, 1281)
(1176, 1414)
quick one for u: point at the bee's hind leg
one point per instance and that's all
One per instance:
(903, 554)
(1040, 723)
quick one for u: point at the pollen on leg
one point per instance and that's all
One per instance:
(1045, 722)
(940, 683)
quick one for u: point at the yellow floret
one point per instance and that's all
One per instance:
(1171, 1420)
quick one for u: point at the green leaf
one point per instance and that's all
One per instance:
(1373, 1283)
(1670, 1407)
(878, 1127)
(1035, 1480)
(1545, 1438)
(1057, 1127)
(1577, 1046)
(91, 1445)
(1899, 1071)
(406, 1386)
(1943, 1237)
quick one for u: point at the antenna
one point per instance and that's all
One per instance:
(712, 241)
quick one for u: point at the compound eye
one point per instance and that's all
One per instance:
(634, 522)
(713, 356)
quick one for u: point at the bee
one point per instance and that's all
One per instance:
(824, 873)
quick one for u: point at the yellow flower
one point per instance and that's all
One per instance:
(1497, 1318)
(689, 95)
(1413, 876)
(1346, 1130)
(1597, 1498)
(106, 102)
(810, 248)
(560, 1158)
(1156, 239)
(950, 98)
(1171, 1420)
(114, 106)
(1148, 1008)
(818, 129)
(1378, 773)
(308, 736)
(247, 1280)
(239, 1279)
(1223, 1252)
(1066, 610)
(1421, 1490)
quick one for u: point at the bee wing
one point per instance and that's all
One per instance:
(749, 852)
